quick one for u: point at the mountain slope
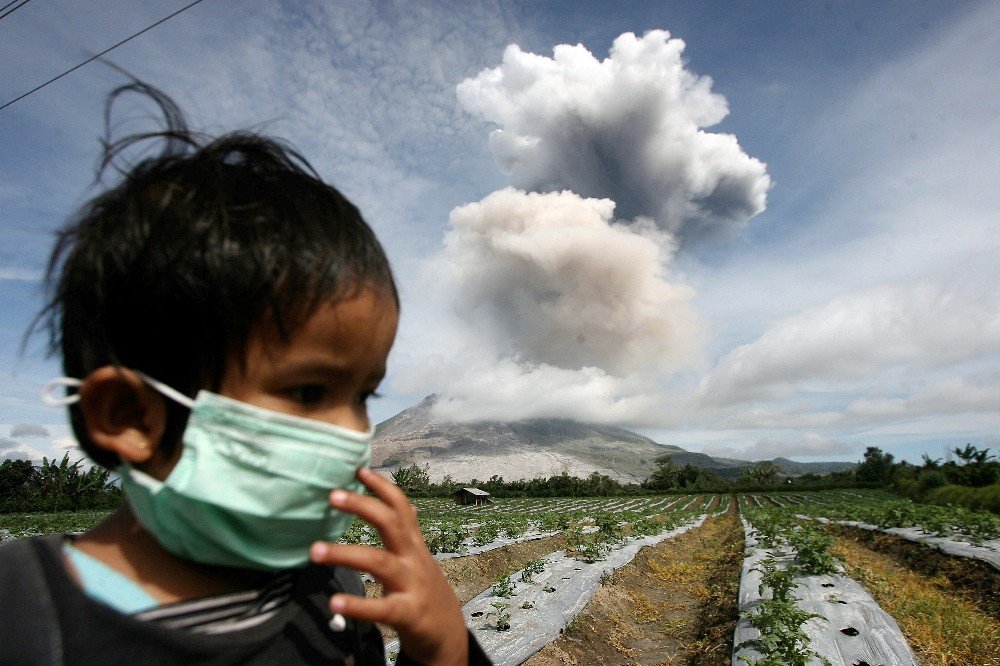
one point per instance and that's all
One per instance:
(530, 449)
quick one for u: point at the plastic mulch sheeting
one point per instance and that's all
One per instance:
(472, 549)
(988, 552)
(856, 630)
(539, 610)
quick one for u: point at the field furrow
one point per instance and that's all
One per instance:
(674, 603)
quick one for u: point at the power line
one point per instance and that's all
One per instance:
(93, 58)
(5, 15)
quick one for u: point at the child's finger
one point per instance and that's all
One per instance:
(386, 520)
(385, 489)
(384, 610)
(383, 565)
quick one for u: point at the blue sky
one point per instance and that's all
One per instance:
(846, 295)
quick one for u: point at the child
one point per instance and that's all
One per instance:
(223, 316)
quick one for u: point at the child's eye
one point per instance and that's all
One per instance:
(368, 395)
(308, 395)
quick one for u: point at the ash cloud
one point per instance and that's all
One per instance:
(553, 280)
(629, 128)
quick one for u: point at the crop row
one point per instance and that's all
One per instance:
(457, 530)
(796, 606)
(887, 511)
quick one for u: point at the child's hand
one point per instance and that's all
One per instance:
(416, 598)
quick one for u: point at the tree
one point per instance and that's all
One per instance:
(17, 480)
(764, 473)
(666, 475)
(412, 480)
(876, 466)
(977, 468)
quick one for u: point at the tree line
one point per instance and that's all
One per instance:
(55, 486)
(667, 477)
(969, 477)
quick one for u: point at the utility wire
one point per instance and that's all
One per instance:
(3, 16)
(93, 58)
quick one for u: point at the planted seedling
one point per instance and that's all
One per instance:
(531, 569)
(503, 617)
(504, 587)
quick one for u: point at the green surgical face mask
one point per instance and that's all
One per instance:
(251, 486)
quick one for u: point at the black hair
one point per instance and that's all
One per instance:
(170, 271)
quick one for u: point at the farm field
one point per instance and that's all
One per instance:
(661, 579)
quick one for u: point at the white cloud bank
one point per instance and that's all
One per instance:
(856, 337)
(810, 444)
(628, 128)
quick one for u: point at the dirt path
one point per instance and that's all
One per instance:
(674, 604)
(975, 580)
(942, 607)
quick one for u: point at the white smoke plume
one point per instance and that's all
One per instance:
(628, 128)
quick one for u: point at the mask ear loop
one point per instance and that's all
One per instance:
(167, 391)
(52, 400)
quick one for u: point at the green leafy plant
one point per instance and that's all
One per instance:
(503, 617)
(812, 550)
(782, 640)
(487, 532)
(445, 539)
(531, 569)
(504, 587)
(780, 581)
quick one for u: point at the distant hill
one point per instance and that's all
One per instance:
(538, 448)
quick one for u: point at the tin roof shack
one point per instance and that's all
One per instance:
(471, 496)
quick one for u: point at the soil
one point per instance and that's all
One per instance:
(674, 603)
(974, 580)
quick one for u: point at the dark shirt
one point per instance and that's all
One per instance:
(45, 618)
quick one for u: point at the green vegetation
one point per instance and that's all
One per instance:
(55, 486)
(531, 569)
(782, 640)
(24, 525)
(970, 478)
(884, 510)
(503, 617)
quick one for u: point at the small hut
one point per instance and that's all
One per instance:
(471, 496)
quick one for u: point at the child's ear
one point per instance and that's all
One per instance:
(123, 414)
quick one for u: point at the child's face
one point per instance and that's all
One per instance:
(328, 367)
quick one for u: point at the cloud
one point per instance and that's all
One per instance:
(628, 128)
(20, 455)
(8, 443)
(550, 279)
(956, 395)
(853, 337)
(16, 274)
(507, 390)
(29, 430)
(809, 444)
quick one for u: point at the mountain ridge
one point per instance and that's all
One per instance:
(537, 448)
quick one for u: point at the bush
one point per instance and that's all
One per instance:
(986, 498)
